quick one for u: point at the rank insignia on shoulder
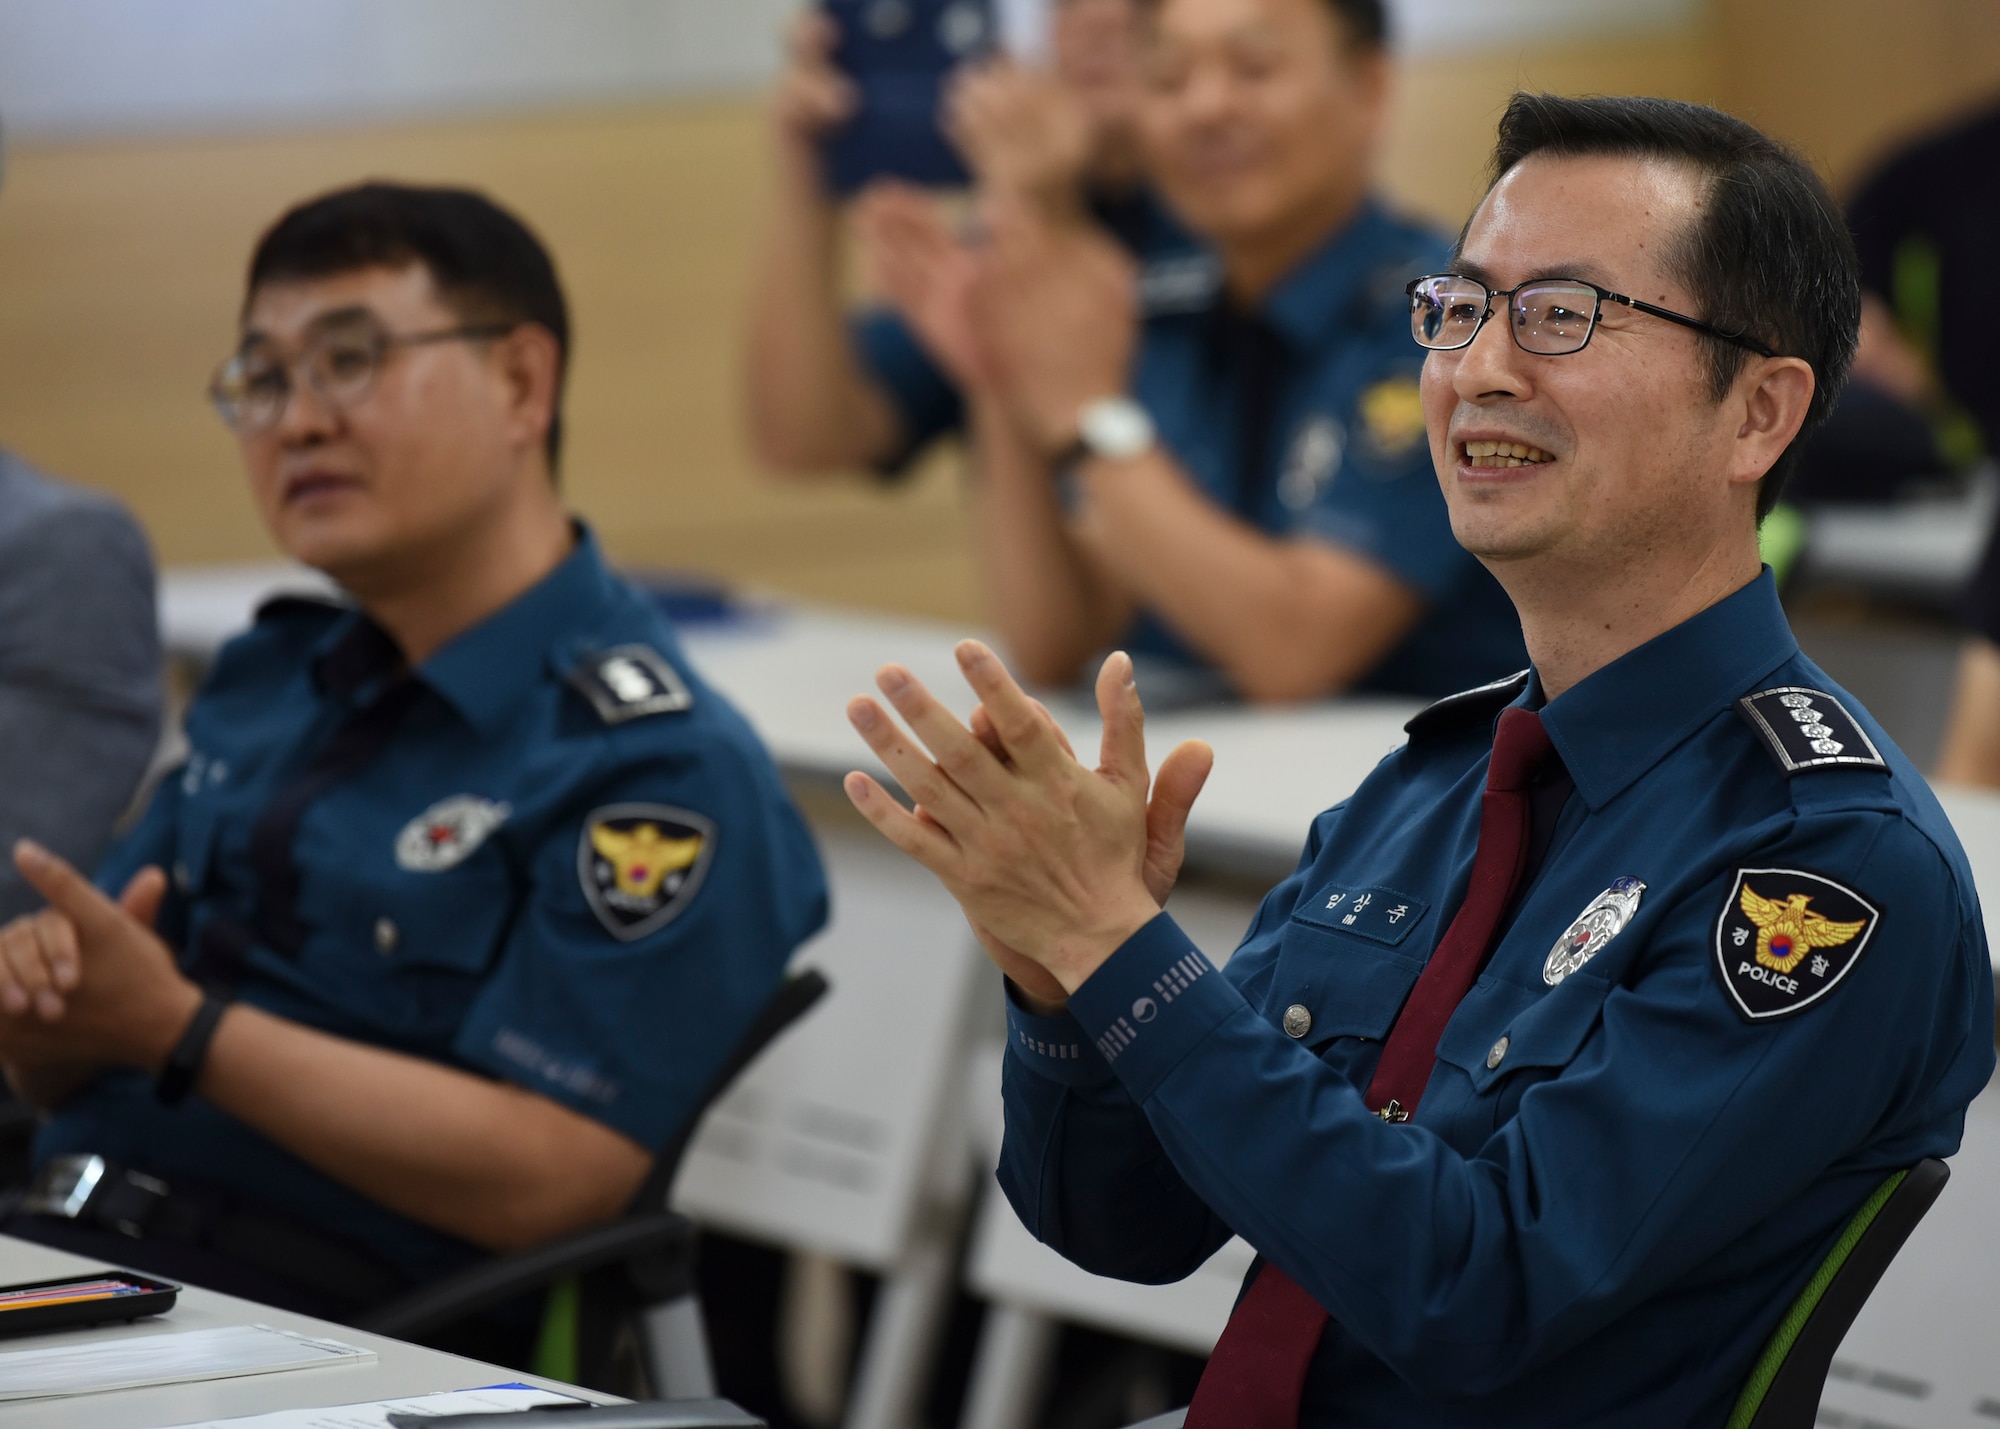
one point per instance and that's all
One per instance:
(641, 864)
(1808, 729)
(1785, 937)
(629, 682)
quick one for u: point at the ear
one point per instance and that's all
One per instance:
(529, 363)
(1770, 399)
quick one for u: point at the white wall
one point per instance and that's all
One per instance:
(95, 66)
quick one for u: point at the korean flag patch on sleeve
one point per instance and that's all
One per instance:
(642, 864)
(1785, 937)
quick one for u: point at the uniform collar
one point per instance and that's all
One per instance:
(484, 672)
(1615, 725)
(1315, 300)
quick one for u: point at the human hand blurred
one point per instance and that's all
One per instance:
(811, 97)
(923, 269)
(1057, 314)
(87, 978)
(1022, 133)
(1054, 864)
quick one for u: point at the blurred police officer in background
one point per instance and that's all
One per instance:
(831, 392)
(1233, 478)
(467, 888)
(1593, 1015)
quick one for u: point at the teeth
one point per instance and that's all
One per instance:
(1504, 454)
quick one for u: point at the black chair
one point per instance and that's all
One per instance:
(1784, 1387)
(636, 1271)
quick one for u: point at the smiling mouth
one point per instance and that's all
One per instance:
(305, 488)
(1500, 455)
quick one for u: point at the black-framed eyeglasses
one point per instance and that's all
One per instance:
(341, 362)
(1550, 317)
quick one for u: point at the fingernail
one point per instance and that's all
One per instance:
(856, 786)
(49, 1005)
(1126, 673)
(970, 653)
(863, 715)
(893, 680)
(30, 850)
(14, 998)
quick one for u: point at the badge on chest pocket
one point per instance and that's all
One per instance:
(1602, 919)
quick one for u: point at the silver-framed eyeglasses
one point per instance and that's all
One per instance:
(341, 362)
(1550, 317)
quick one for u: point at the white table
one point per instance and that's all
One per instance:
(398, 1369)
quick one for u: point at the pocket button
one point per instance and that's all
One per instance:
(1298, 1021)
(1496, 1054)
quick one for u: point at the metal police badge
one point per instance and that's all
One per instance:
(641, 864)
(446, 834)
(1785, 937)
(1602, 920)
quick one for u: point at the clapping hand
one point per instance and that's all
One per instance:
(1055, 864)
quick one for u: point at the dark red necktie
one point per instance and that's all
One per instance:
(1258, 1371)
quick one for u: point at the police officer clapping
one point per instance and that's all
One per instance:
(1591, 1017)
(1221, 465)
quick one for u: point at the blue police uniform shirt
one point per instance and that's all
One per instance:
(1303, 418)
(571, 867)
(1613, 1185)
(1172, 263)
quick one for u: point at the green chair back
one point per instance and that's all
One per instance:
(1784, 1386)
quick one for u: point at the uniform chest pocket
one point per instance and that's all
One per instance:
(406, 950)
(1502, 1030)
(1329, 984)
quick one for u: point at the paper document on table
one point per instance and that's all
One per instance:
(133, 1361)
(499, 1399)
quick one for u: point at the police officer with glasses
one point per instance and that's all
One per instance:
(468, 884)
(1590, 1018)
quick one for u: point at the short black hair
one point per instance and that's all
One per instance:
(487, 265)
(1770, 256)
(1365, 21)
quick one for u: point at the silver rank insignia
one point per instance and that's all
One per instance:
(630, 681)
(1604, 919)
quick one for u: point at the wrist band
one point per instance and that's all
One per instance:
(183, 1064)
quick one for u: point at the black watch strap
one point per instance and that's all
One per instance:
(183, 1065)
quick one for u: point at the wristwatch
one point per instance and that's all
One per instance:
(1110, 428)
(177, 1077)
(1115, 428)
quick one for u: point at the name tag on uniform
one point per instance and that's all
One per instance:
(1379, 913)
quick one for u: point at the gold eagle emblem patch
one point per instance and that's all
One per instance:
(1786, 937)
(1392, 415)
(640, 864)
(1787, 931)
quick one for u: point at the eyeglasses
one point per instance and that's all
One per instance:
(341, 362)
(1551, 316)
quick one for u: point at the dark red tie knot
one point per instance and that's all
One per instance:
(1519, 748)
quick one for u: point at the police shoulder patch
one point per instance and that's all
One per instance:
(1785, 937)
(642, 864)
(1808, 729)
(628, 682)
(1392, 416)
